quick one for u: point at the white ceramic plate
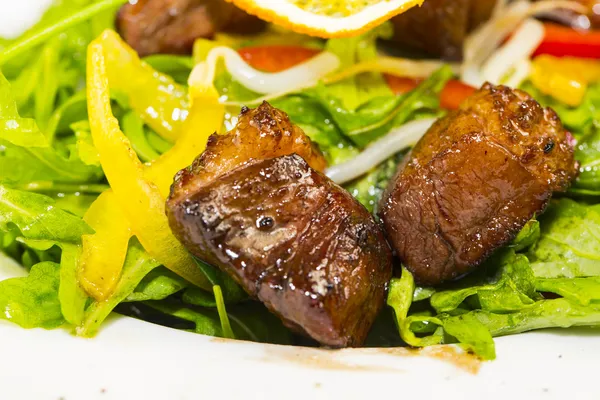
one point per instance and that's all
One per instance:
(132, 359)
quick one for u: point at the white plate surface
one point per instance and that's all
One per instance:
(132, 359)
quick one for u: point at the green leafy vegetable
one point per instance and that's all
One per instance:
(504, 283)
(138, 264)
(379, 115)
(133, 128)
(44, 32)
(528, 236)
(158, 284)
(37, 217)
(581, 290)
(223, 317)
(25, 153)
(569, 245)
(32, 302)
(557, 313)
(369, 189)
(354, 92)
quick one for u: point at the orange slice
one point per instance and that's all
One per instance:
(327, 18)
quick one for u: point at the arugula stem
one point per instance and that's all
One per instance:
(36, 38)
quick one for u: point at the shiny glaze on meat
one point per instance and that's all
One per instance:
(171, 26)
(473, 181)
(253, 206)
(261, 133)
(440, 27)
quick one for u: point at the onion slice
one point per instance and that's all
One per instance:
(521, 46)
(482, 43)
(306, 73)
(389, 65)
(396, 140)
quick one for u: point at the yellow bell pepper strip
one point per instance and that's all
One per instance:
(565, 78)
(140, 200)
(104, 252)
(205, 118)
(157, 98)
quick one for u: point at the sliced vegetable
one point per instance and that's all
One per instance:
(104, 252)
(276, 58)
(566, 78)
(561, 41)
(454, 93)
(205, 118)
(141, 200)
(157, 98)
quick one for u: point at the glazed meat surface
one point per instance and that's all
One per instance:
(473, 181)
(291, 237)
(171, 26)
(262, 133)
(440, 27)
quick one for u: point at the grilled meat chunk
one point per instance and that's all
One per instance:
(440, 27)
(262, 133)
(290, 236)
(171, 26)
(473, 181)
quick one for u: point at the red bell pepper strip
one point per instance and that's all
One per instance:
(453, 94)
(561, 41)
(276, 58)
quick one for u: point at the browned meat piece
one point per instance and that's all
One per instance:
(262, 133)
(289, 235)
(439, 27)
(171, 26)
(473, 181)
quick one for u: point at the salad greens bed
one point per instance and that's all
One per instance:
(50, 174)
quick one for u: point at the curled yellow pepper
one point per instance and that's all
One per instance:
(160, 101)
(205, 118)
(104, 251)
(566, 78)
(140, 200)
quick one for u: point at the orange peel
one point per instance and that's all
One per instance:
(316, 21)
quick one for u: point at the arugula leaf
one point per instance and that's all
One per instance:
(369, 189)
(379, 115)
(528, 236)
(232, 292)
(222, 311)
(158, 284)
(25, 153)
(355, 91)
(198, 297)
(177, 67)
(317, 123)
(581, 290)
(37, 217)
(32, 301)
(133, 128)
(588, 155)
(569, 245)
(504, 283)
(14, 129)
(137, 265)
(557, 313)
(249, 321)
(471, 334)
